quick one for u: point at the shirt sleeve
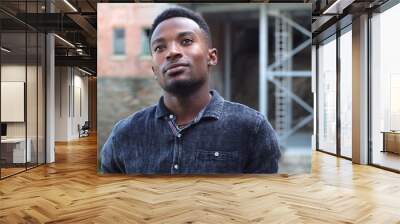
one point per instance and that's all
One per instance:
(109, 161)
(265, 153)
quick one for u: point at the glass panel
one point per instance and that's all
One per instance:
(22, 63)
(31, 86)
(327, 96)
(346, 94)
(385, 84)
(31, 98)
(13, 87)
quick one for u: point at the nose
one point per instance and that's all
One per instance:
(174, 52)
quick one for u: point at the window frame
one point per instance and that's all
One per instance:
(119, 39)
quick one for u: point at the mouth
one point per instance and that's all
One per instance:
(175, 69)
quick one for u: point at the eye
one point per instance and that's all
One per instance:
(158, 48)
(187, 41)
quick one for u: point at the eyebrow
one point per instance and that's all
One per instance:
(180, 34)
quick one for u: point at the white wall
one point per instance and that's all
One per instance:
(12, 73)
(62, 80)
(80, 89)
(33, 126)
(70, 84)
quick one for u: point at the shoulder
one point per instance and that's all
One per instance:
(243, 114)
(137, 119)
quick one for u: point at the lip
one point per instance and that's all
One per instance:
(175, 66)
(175, 71)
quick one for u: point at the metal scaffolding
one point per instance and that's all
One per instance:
(281, 73)
(283, 102)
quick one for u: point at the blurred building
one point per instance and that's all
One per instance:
(125, 80)
(124, 39)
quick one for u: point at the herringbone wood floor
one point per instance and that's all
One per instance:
(70, 191)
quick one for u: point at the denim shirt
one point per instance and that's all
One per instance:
(225, 137)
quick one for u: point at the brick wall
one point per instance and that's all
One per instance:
(133, 18)
(119, 98)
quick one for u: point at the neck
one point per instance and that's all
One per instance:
(187, 107)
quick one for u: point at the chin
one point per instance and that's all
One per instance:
(183, 87)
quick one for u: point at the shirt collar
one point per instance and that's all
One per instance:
(213, 109)
(161, 109)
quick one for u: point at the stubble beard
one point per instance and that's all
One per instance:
(184, 88)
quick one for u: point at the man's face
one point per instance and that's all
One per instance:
(181, 56)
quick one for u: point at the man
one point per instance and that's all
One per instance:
(191, 129)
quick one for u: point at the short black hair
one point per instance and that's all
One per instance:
(182, 12)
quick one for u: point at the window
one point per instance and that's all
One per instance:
(346, 94)
(22, 78)
(145, 39)
(119, 41)
(327, 96)
(385, 88)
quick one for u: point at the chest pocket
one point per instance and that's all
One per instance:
(217, 161)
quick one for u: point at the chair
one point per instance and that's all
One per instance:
(84, 130)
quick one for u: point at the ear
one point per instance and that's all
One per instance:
(212, 56)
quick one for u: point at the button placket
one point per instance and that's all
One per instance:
(176, 162)
(177, 145)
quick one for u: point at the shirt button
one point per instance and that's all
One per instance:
(171, 116)
(176, 166)
(179, 135)
(216, 154)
